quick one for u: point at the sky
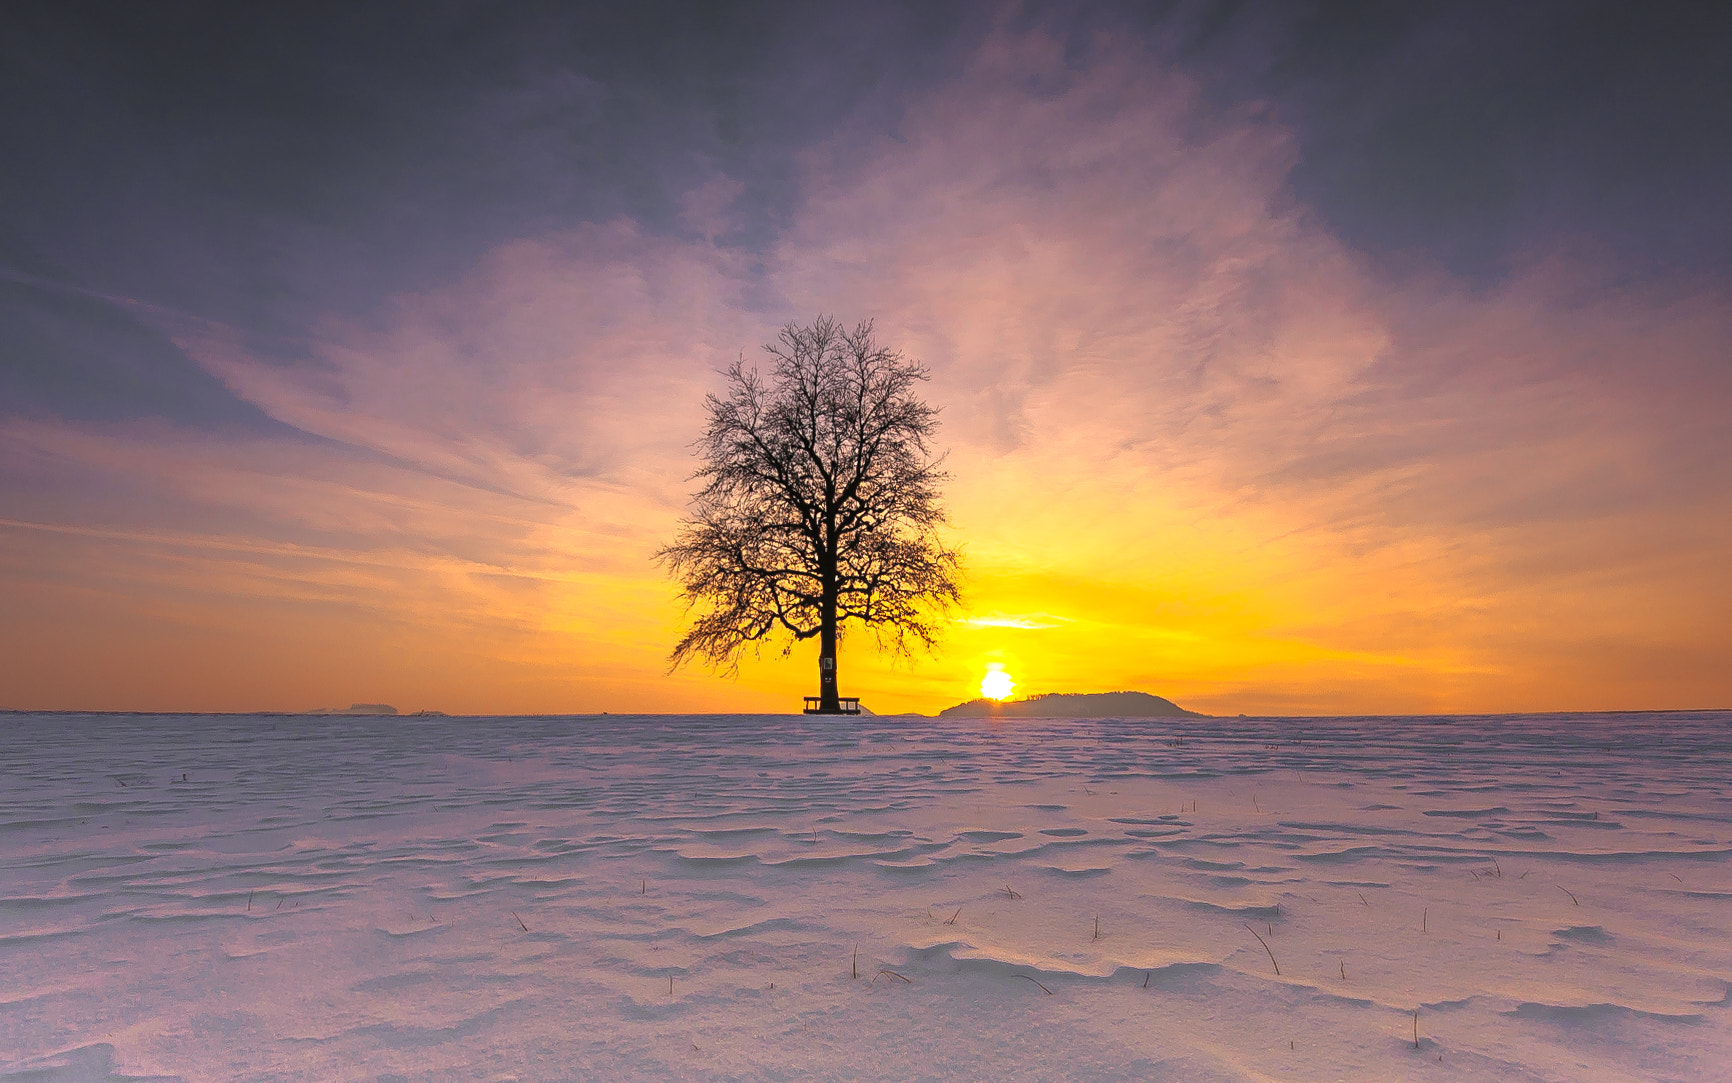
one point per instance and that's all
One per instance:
(1293, 358)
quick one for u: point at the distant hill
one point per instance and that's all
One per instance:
(1072, 705)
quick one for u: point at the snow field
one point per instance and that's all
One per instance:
(283, 898)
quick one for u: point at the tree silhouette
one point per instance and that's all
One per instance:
(819, 506)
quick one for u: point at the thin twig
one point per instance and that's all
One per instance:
(1265, 944)
(856, 962)
(520, 924)
(1043, 988)
(1012, 894)
(886, 972)
(954, 916)
(1568, 892)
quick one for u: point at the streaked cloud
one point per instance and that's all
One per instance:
(1255, 469)
(1026, 621)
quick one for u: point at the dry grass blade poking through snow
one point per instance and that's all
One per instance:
(1265, 944)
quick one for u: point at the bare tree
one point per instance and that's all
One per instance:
(819, 506)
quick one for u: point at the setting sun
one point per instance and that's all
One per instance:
(997, 683)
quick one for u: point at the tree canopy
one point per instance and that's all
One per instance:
(820, 504)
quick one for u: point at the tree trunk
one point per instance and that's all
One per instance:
(829, 700)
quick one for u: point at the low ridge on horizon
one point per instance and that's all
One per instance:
(1124, 704)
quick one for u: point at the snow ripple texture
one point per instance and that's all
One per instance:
(212, 898)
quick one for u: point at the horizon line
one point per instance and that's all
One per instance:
(798, 714)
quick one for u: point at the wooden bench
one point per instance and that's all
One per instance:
(850, 705)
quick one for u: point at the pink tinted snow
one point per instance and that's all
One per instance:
(259, 897)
